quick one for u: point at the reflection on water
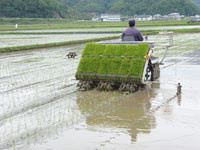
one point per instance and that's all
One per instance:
(115, 110)
(179, 99)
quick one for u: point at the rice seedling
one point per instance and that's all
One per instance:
(116, 63)
(105, 66)
(90, 64)
(136, 67)
(99, 49)
(139, 50)
(124, 68)
(113, 61)
(89, 48)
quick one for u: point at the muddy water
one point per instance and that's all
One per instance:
(180, 43)
(41, 108)
(21, 40)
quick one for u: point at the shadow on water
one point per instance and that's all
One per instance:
(116, 110)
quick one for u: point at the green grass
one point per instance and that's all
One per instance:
(110, 64)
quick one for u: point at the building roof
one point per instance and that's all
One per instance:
(142, 16)
(118, 15)
(157, 15)
(172, 14)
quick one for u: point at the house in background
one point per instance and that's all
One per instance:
(160, 17)
(143, 17)
(174, 16)
(157, 17)
(110, 17)
(171, 16)
(197, 16)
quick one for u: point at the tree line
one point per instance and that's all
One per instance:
(197, 2)
(33, 8)
(80, 8)
(135, 7)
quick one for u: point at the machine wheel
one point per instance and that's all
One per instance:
(85, 85)
(155, 72)
(122, 87)
(131, 87)
(148, 72)
(109, 87)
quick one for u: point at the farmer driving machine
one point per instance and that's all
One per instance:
(125, 65)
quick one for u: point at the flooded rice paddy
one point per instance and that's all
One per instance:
(41, 108)
(179, 43)
(21, 40)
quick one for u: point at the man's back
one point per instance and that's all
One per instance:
(131, 31)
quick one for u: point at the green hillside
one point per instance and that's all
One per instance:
(33, 9)
(133, 7)
(196, 2)
(80, 8)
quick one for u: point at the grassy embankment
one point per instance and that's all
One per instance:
(44, 24)
(28, 47)
(148, 32)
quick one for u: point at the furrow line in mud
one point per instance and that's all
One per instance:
(35, 53)
(32, 106)
(182, 60)
(41, 132)
(14, 56)
(31, 84)
(36, 66)
(33, 66)
(38, 69)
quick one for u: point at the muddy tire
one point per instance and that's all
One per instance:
(101, 85)
(122, 87)
(85, 85)
(109, 87)
(132, 88)
(155, 73)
